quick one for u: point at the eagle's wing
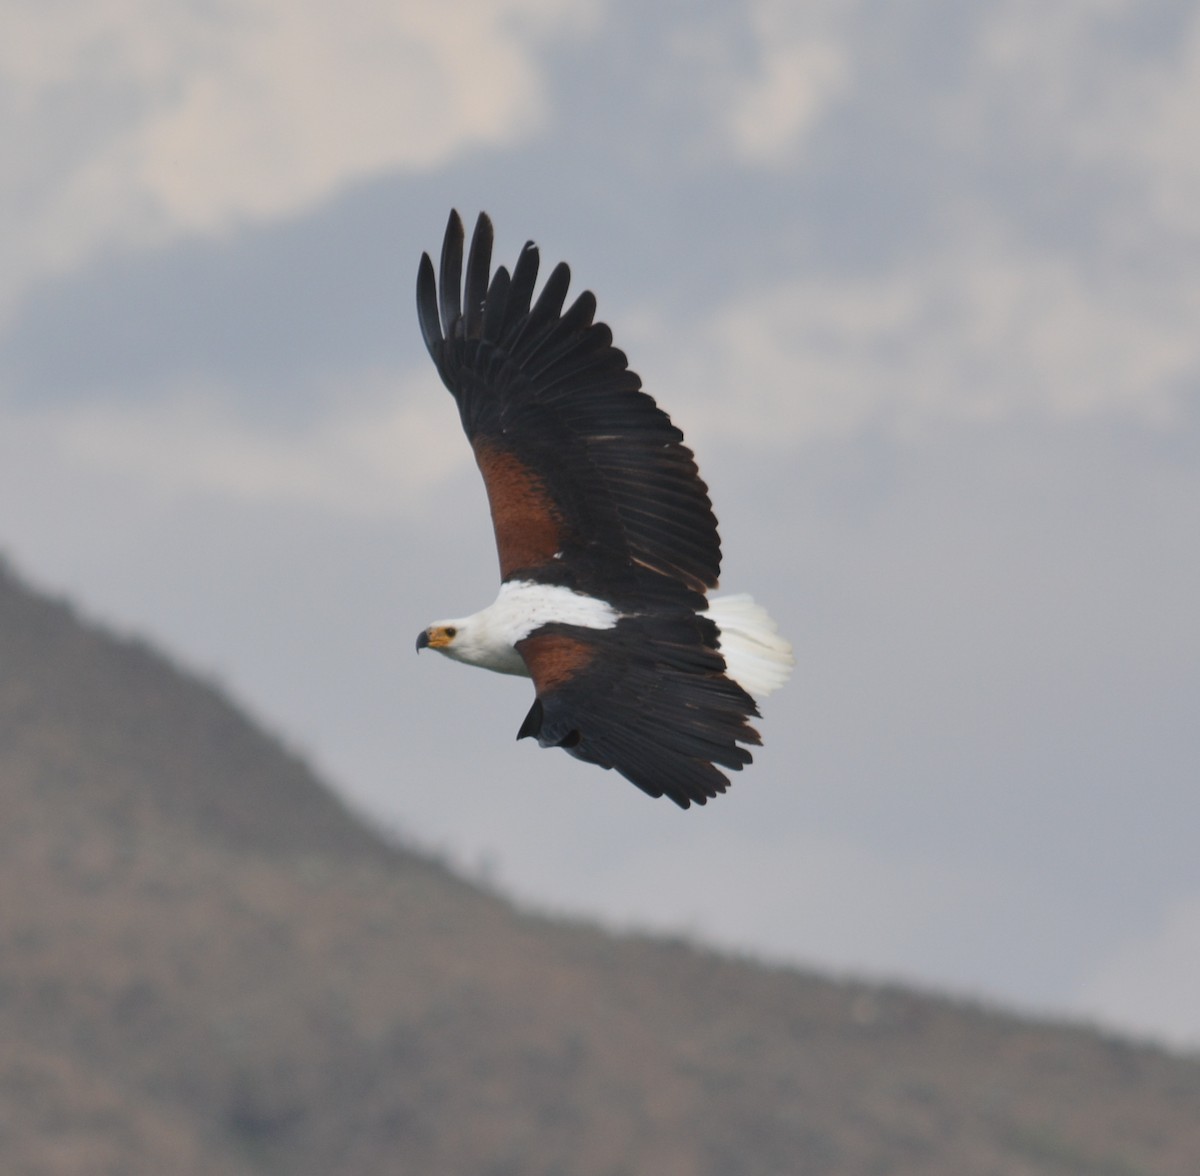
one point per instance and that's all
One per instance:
(646, 698)
(589, 482)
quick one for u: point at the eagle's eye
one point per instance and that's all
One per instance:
(451, 631)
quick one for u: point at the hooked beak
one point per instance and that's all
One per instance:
(435, 637)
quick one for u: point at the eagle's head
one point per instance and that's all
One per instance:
(467, 639)
(478, 640)
(440, 637)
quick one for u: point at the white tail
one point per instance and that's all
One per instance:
(756, 657)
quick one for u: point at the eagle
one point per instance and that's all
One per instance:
(607, 540)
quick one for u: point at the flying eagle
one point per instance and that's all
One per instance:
(606, 536)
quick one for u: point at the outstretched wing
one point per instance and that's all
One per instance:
(648, 697)
(589, 482)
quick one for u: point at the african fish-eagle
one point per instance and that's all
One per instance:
(606, 536)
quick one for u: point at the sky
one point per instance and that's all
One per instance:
(921, 284)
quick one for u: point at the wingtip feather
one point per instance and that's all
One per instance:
(479, 262)
(450, 277)
(427, 306)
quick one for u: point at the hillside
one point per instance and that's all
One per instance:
(207, 966)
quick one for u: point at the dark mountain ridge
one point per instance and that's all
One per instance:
(208, 965)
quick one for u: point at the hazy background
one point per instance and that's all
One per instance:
(922, 285)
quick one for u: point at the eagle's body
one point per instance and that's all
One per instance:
(489, 638)
(605, 533)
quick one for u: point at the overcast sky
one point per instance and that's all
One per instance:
(920, 282)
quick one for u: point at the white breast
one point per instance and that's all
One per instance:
(489, 638)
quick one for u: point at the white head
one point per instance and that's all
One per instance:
(453, 638)
(475, 640)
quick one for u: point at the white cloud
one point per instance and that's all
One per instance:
(1066, 78)
(764, 109)
(1001, 316)
(1161, 132)
(137, 121)
(377, 461)
(799, 75)
(1151, 985)
(983, 330)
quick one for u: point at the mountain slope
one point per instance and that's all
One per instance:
(206, 965)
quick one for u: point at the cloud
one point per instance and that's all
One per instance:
(1150, 984)
(377, 460)
(138, 122)
(1107, 87)
(764, 102)
(983, 330)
